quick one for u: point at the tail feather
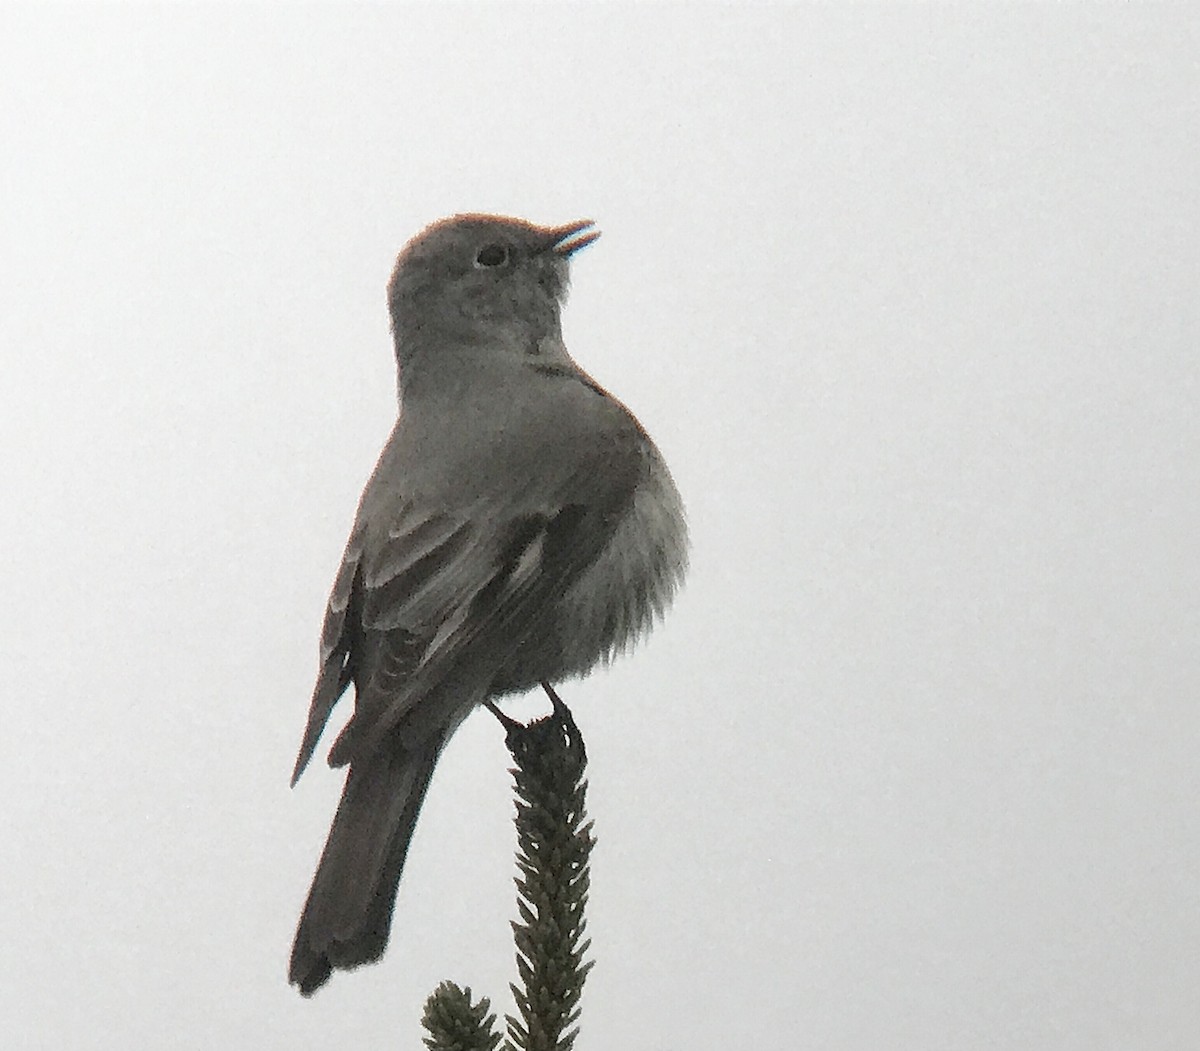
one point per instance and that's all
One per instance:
(348, 913)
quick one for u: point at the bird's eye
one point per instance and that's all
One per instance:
(492, 255)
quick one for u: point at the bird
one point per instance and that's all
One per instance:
(519, 528)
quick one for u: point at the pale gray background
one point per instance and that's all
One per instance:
(910, 298)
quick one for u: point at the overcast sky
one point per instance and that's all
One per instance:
(910, 300)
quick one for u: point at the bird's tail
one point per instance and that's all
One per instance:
(349, 909)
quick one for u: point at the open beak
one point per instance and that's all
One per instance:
(567, 240)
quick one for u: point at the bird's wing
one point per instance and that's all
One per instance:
(448, 599)
(337, 635)
(378, 612)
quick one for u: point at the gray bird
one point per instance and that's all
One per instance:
(519, 528)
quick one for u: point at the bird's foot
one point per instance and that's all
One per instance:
(559, 705)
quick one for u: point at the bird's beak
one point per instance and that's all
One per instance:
(567, 240)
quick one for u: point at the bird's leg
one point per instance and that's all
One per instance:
(507, 721)
(559, 706)
(510, 724)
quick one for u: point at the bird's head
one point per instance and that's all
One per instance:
(475, 275)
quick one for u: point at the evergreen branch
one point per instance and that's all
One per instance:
(455, 1024)
(554, 840)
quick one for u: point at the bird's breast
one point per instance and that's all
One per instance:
(617, 596)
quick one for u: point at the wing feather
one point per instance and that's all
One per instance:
(493, 596)
(336, 654)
